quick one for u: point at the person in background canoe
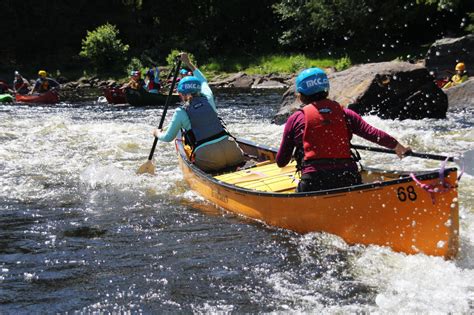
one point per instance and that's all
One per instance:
(4, 88)
(213, 148)
(149, 82)
(459, 77)
(156, 75)
(183, 73)
(320, 134)
(43, 83)
(20, 84)
(136, 82)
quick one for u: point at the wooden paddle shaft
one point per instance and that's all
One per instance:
(410, 153)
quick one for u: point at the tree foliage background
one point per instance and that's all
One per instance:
(50, 32)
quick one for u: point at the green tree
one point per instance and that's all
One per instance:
(368, 24)
(170, 59)
(104, 49)
(445, 5)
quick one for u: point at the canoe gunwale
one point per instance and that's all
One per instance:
(368, 186)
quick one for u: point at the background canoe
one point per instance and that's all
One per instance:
(50, 97)
(6, 98)
(143, 98)
(115, 96)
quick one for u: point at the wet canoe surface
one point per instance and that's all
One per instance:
(388, 209)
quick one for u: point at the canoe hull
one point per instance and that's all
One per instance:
(6, 98)
(115, 96)
(398, 214)
(143, 98)
(50, 97)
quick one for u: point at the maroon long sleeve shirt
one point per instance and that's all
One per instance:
(293, 138)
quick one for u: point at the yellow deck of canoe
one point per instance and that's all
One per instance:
(265, 177)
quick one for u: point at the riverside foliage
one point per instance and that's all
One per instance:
(49, 33)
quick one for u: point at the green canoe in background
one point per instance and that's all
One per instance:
(6, 98)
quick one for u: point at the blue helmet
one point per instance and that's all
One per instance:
(183, 71)
(150, 73)
(312, 81)
(189, 85)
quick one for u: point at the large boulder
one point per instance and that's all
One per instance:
(392, 90)
(461, 96)
(443, 55)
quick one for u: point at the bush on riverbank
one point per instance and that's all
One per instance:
(278, 63)
(104, 49)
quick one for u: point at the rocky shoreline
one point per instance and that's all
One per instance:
(393, 90)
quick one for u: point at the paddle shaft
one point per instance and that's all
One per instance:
(162, 121)
(410, 153)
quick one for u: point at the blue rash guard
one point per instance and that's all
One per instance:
(180, 119)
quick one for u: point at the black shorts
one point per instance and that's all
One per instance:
(322, 180)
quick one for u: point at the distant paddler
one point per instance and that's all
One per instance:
(320, 135)
(4, 88)
(43, 84)
(459, 77)
(20, 84)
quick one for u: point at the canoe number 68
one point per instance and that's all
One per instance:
(408, 193)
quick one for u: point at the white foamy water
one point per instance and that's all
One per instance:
(70, 172)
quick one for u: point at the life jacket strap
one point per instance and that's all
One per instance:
(326, 161)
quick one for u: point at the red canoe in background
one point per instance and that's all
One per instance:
(50, 97)
(115, 96)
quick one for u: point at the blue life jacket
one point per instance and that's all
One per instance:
(205, 124)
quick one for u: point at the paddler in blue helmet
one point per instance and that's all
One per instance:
(184, 73)
(213, 148)
(318, 136)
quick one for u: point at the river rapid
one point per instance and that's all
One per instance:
(80, 231)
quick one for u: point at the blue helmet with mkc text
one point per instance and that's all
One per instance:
(312, 81)
(189, 85)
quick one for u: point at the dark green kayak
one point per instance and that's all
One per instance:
(6, 98)
(143, 98)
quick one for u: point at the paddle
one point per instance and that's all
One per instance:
(466, 161)
(148, 166)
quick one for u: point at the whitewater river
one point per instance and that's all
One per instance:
(79, 231)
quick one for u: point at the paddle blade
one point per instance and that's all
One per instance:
(147, 168)
(467, 161)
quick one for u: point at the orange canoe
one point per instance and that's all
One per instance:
(388, 209)
(50, 97)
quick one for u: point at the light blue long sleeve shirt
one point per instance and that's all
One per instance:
(180, 119)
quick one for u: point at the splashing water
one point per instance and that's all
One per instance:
(80, 231)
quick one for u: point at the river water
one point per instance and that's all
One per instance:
(79, 231)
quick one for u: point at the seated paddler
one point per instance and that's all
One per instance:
(213, 149)
(44, 83)
(459, 77)
(319, 135)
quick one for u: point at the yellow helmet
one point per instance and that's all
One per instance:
(42, 73)
(460, 66)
